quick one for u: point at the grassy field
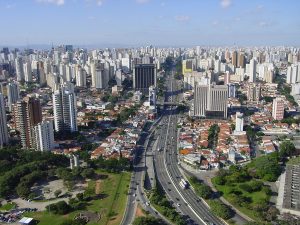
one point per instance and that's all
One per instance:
(111, 206)
(294, 161)
(256, 198)
(7, 207)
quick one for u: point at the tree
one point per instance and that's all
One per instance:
(60, 208)
(271, 214)
(149, 220)
(220, 209)
(57, 193)
(286, 149)
(204, 191)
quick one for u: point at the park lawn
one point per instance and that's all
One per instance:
(8, 206)
(256, 197)
(114, 187)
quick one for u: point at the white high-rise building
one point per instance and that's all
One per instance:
(252, 71)
(43, 136)
(65, 111)
(80, 77)
(13, 94)
(211, 101)
(19, 69)
(3, 123)
(100, 76)
(278, 109)
(239, 122)
(27, 72)
(289, 75)
(119, 77)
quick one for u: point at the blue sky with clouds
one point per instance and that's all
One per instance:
(157, 22)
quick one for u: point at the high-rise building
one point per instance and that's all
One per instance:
(100, 75)
(3, 123)
(211, 101)
(231, 90)
(27, 114)
(41, 73)
(254, 92)
(19, 69)
(234, 59)
(119, 77)
(241, 60)
(80, 77)
(13, 94)
(43, 136)
(65, 111)
(239, 122)
(252, 71)
(187, 66)
(144, 76)
(278, 109)
(27, 72)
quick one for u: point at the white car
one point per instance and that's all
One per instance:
(178, 204)
(147, 203)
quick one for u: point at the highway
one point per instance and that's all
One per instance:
(168, 173)
(136, 189)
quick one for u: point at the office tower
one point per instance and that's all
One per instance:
(144, 76)
(211, 101)
(19, 69)
(269, 76)
(278, 109)
(239, 122)
(231, 91)
(13, 94)
(27, 114)
(56, 57)
(80, 77)
(41, 77)
(241, 60)
(234, 58)
(27, 71)
(68, 73)
(43, 136)
(252, 71)
(65, 111)
(3, 123)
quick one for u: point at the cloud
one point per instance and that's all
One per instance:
(259, 7)
(225, 3)
(182, 18)
(142, 1)
(162, 4)
(56, 2)
(265, 23)
(215, 23)
(99, 2)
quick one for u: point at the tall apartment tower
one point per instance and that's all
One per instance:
(252, 71)
(65, 111)
(100, 76)
(211, 101)
(41, 73)
(3, 123)
(19, 69)
(278, 109)
(80, 77)
(27, 114)
(13, 94)
(27, 71)
(239, 122)
(144, 76)
(241, 60)
(43, 136)
(234, 59)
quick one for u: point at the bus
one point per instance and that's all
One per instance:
(183, 184)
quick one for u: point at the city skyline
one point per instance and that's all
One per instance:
(116, 23)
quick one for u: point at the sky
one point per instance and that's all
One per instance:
(116, 23)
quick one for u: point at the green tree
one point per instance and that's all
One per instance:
(286, 149)
(220, 209)
(149, 220)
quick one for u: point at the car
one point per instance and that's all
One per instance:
(134, 195)
(178, 204)
(147, 203)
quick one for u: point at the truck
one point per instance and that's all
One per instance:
(183, 184)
